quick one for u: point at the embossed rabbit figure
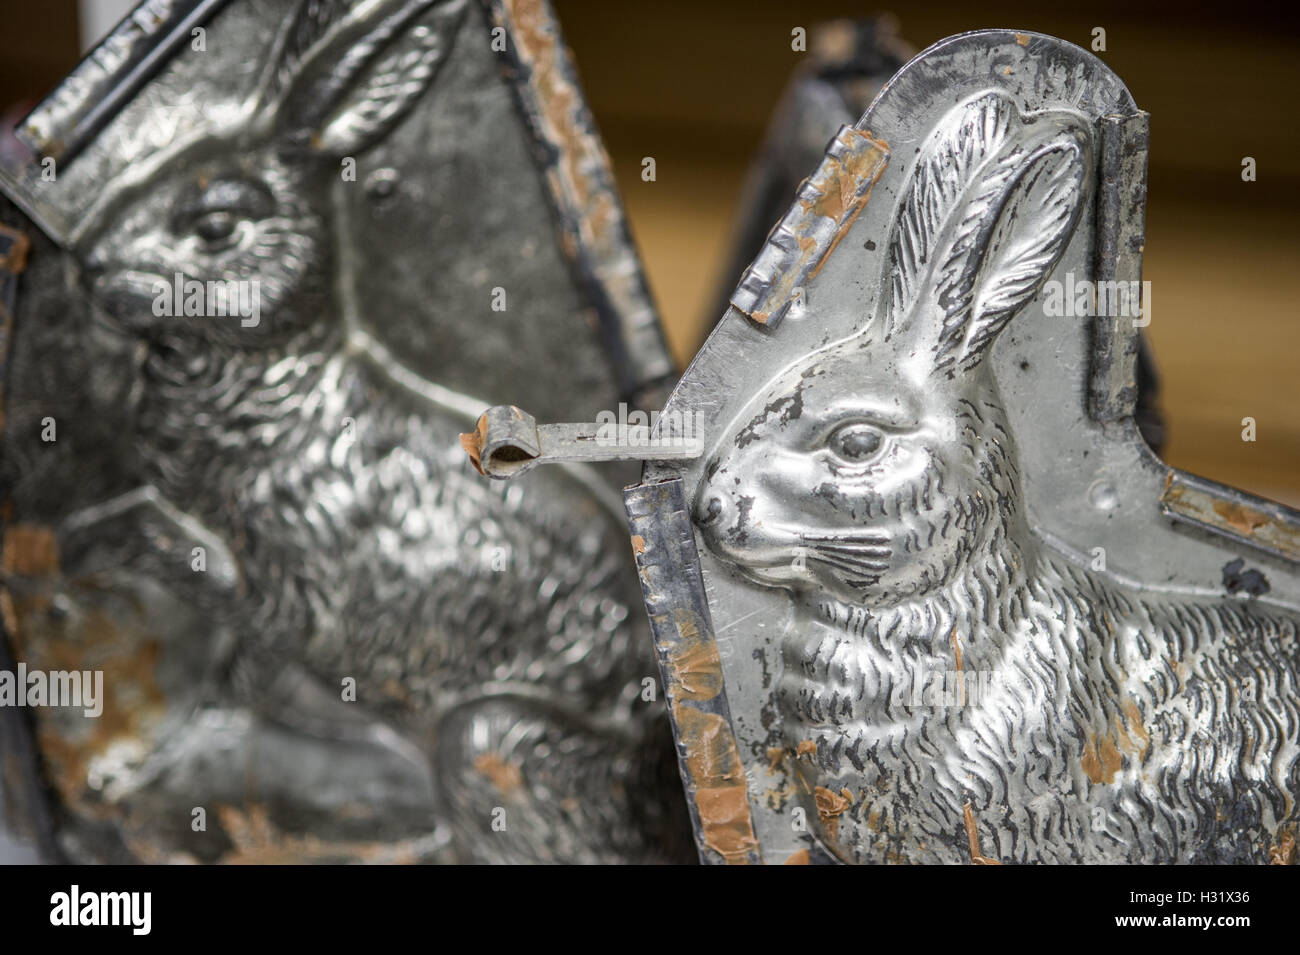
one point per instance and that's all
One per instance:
(877, 480)
(490, 625)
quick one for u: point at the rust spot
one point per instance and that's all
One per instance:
(473, 444)
(1284, 853)
(854, 187)
(30, 550)
(577, 175)
(1240, 518)
(973, 838)
(713, 765)
(1208, 507)
(693, 661)
(1022, 39)
(799, 858)
(829, 203)
(830, 806)
(1176, 667)
(258, 841)
(1136, 727)
(1122, 738)
(638, 544)
(505, 777)
(14, 261)
(1101, 760)
(1103, 756)
(133, 703)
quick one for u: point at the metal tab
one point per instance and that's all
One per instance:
(708, 755)
(508, 441)
(1119, 308)
(827, 203)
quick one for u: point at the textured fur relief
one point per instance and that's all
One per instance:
(941, 654)
(490, 623)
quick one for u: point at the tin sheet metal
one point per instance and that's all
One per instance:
(962, 613)
(312, 620)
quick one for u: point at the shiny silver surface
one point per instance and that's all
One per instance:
(315, 623)
(848, 63)
(929, 597)
(508, 441)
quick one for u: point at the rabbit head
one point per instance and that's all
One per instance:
(876, 468)
(249, 202)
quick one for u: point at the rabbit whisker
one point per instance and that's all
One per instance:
(856, 550)
(869, 568)
(848, 537)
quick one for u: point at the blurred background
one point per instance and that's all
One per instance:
(693, 83)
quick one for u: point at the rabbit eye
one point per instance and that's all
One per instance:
(855, 443)
(212, 210)
(215, 228)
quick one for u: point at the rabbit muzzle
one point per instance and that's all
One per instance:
(846, 486)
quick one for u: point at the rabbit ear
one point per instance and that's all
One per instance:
(346, 72)
(992, 203)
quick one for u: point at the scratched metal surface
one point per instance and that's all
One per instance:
(1154, 707)
(494, 634)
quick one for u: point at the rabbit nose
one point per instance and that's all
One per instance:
(709, 510)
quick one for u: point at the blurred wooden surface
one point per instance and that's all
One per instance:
(38, 45)
(692, 84)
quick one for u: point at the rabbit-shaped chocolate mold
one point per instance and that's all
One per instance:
(490, 624)
(876, 480)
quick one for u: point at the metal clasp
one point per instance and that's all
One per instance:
(508, 441)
